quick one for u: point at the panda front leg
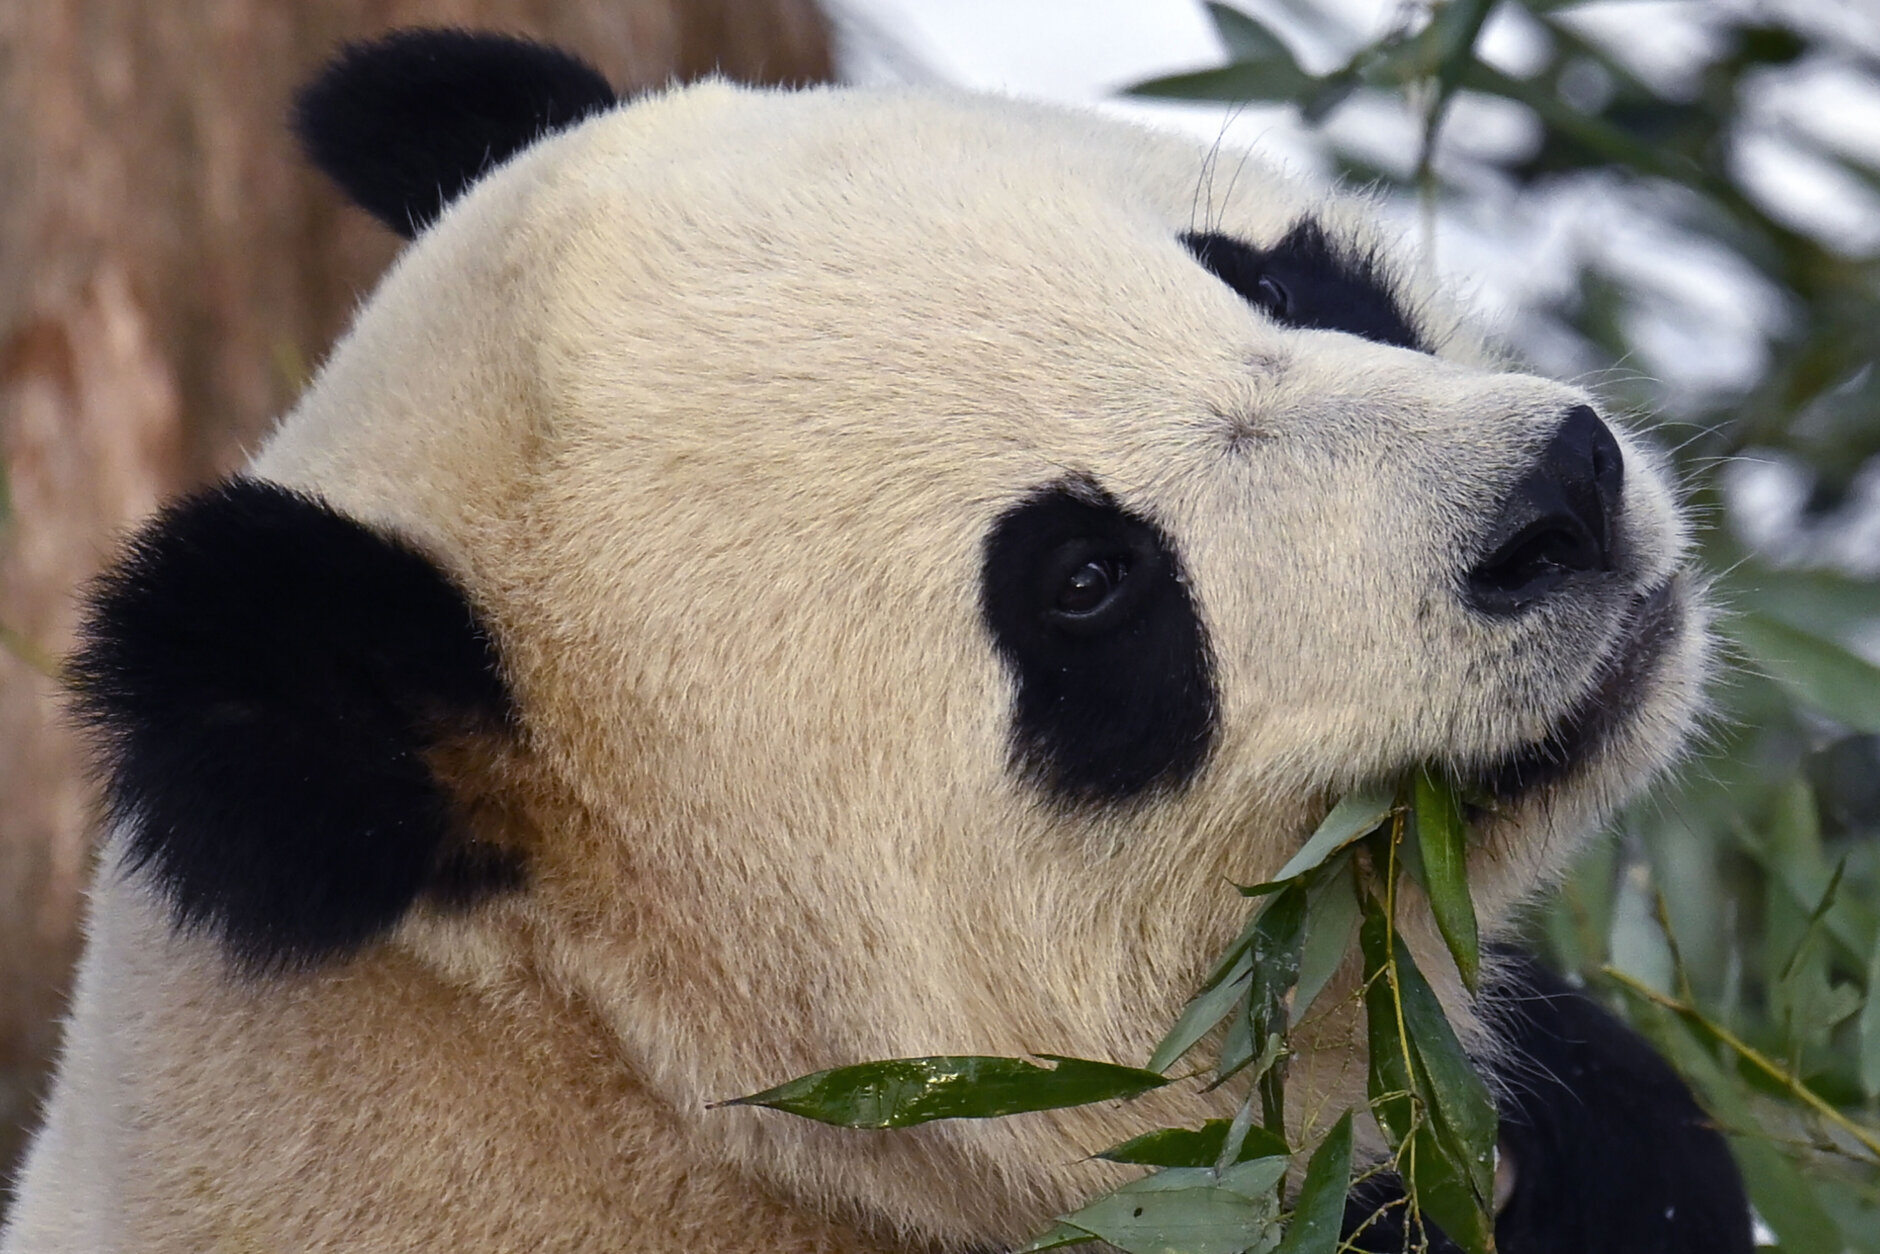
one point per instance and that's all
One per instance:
(1602, 1147)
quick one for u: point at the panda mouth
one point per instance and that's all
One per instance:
(1619, 688)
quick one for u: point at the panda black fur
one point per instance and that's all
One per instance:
(774, 580)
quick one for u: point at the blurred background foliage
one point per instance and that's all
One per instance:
(1734, 919)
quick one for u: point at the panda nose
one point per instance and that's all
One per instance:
(1557, 522)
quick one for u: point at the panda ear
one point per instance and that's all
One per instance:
(404, 124)
(272, 686)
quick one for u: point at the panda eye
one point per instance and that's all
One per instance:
(1273, 298)
(1086, 588)
(1091, 586)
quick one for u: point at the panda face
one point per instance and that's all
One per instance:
(1327, 541)
(931, 545)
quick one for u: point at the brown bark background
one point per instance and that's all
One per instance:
(169, 272)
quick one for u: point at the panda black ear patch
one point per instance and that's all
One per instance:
(406, 123)
(269, 682)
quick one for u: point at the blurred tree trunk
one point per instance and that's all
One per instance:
(168, 272)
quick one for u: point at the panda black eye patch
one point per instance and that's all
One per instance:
(1086, 605)
(1308, 282)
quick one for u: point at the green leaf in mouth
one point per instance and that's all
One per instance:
(1443, 842)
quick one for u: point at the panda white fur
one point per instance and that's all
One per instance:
(773, 580)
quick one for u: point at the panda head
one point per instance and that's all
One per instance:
(844, 574)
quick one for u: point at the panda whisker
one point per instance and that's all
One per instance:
(1240, 166)
(1205, 183)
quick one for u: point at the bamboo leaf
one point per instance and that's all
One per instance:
(1325, 94)
(1264, 965)
(1243, 80)
(1455, 26)
(1443, 842)
(1813, 928)
(1319, 1214)
(1256, 1178)
(1331, 919)
(1429, 1102)
(1278, 936)
(1184, 1211)
(1389, 1079)
(1269, 1075)
(1461, 1111)
(1820, 672)
(1247, 39)
(1059, 1236)
(1203, 1011)
(1236, 1137)
(1357, 814)
(1611, 143)
(1790, 852)
(1277, 942)
(1786, 1199)
(1441, 1192)
(1193, 1147)
(902, 1092)
(1262, 1064)
(1248, 1180)
(1237, 1044)
(1870, 1029)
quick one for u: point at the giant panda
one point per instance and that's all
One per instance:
(778, 579)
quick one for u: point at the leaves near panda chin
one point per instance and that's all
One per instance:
(1357, 814)
(1218, 1188)
(903, 1092)
(1433, 1108)
(1184, 1210)
(1193, 1147)
(1276, 930)
(1442, 846)
(1319, 1214)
